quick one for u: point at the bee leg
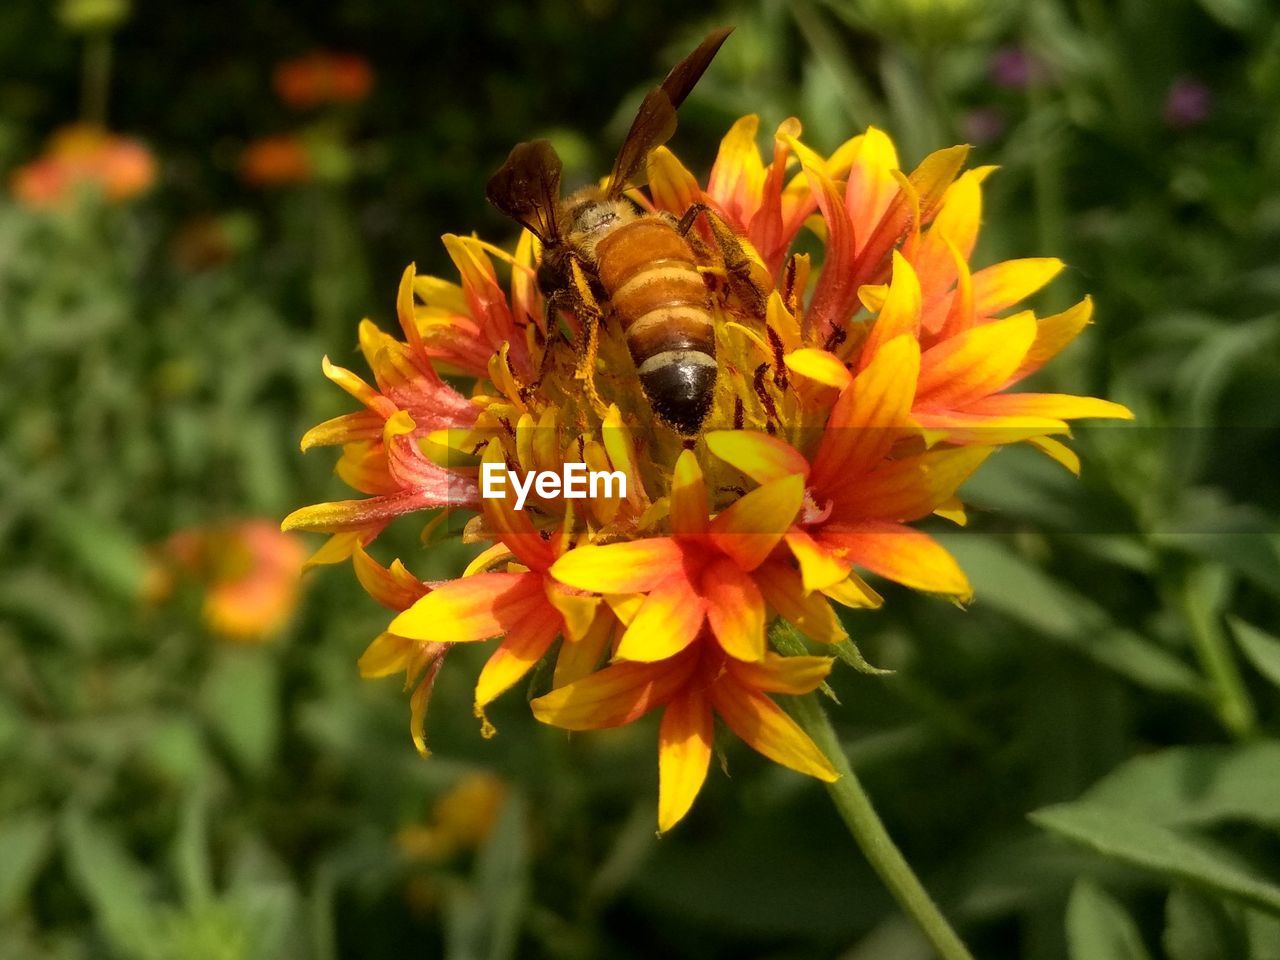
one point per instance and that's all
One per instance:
(748, 278)
(590, 316)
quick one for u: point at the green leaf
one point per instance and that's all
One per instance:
(1099, 928)
(24, 848)
(1261, 648)
(104, 549)
(240, 698)
(116, 887)
(1198, 927)
(1133, 840)
(1197, 785)
(483, 920)
(1012, 585)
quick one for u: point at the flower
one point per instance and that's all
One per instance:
(250, 573)
(79, 156)
(844, 412)
(1187, 104)
(320, 77)
(461, 819)
(276, 161)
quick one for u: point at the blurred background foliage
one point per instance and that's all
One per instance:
(1084, 764)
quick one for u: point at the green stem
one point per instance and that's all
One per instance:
(96, 78)
(1213, 650)
(868, 831)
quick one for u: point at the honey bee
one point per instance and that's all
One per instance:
(604, 256)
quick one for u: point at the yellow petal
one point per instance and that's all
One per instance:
(666, 623)
(1003, 285)
(1053, 334)
(869, 417)
(750, 529)
(525, 644)
(808, 612)
(762, 725)
(1060, 406)
(761, 457)
(671, 185)
(387, 654)
(684, 753)
(577, 611)
(688, 497)
(473, 608)
(975, 363)
(618, 694)
(630, 567)
(854, 592)
(778, 674)
(820, 366)
(900, 313)
(820, 568)
(902, 554)
(578, 657)
(735, 610)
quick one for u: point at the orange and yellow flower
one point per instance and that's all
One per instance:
(852, 406)
(250, 573)
(80, 156)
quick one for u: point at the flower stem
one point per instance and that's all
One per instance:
(872, 838)
(96, 78)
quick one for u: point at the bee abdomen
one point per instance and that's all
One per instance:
(660, 299)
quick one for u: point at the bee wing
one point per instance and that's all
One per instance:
(527, 188)
(655, 121)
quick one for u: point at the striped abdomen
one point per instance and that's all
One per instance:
(651, 278)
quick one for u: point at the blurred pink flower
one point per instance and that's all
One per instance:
(1016, 68)
(1187, 104)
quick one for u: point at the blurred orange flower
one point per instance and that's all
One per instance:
(321, 77)
(83, 155)
(276, 161)
(250, 573)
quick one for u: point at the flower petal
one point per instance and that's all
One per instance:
(900, 314)
(808, 612)
(578, 657)
(750, 529)
(868, 418)
(473, 608)
(688, 497)
(1052, 336)
(526, 643)
(666, 623)
(1003, 285)
(820, 568)
(975, 363)
(761, 457)
(618, 694)
(902, 554)
(684, 754)
(912, 487)
(631, 567)
(762, 725)
(735, 610)
(779, 674)
(1060, 406)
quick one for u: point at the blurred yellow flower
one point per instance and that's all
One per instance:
(461, 820)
